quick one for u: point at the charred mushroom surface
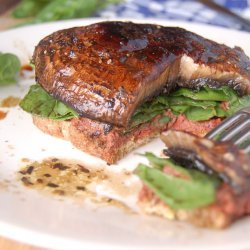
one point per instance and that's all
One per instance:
(222, 158)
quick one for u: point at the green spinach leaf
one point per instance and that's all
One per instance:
(149, 110)
(237, 104)
(197, 189)
(29, 8)
(200, 114)
(39, 102)
(197, 105)
(10, 66)
(44, 10)
(186, 101)
(205, 94)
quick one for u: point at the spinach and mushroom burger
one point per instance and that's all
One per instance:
(110, 87)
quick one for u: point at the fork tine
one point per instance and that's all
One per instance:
(246, 110)
(236, 129)
(241, 138)
(231, 121)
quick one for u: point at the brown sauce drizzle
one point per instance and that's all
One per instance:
(67, 179)
(2, 115)
(26, 67)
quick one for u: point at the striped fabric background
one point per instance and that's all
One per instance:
(185, 10)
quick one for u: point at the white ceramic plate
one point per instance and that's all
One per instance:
(31, 217)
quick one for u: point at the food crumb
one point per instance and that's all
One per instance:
(39, 181)
(4, 186)
(26, 181)
(80, 188)
(10, 146)
(52, 185)
(25, 160)
(59, 192)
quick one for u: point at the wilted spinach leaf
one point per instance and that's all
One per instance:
(191, 189)
(39, 102)
(10, 66)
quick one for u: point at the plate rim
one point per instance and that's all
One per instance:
(7, 229)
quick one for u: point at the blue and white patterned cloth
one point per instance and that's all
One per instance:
(185, 10)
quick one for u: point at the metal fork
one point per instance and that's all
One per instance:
(235, 129)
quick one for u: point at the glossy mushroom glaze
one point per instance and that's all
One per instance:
(106, 70)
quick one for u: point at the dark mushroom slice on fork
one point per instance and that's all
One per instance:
(222, 158)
